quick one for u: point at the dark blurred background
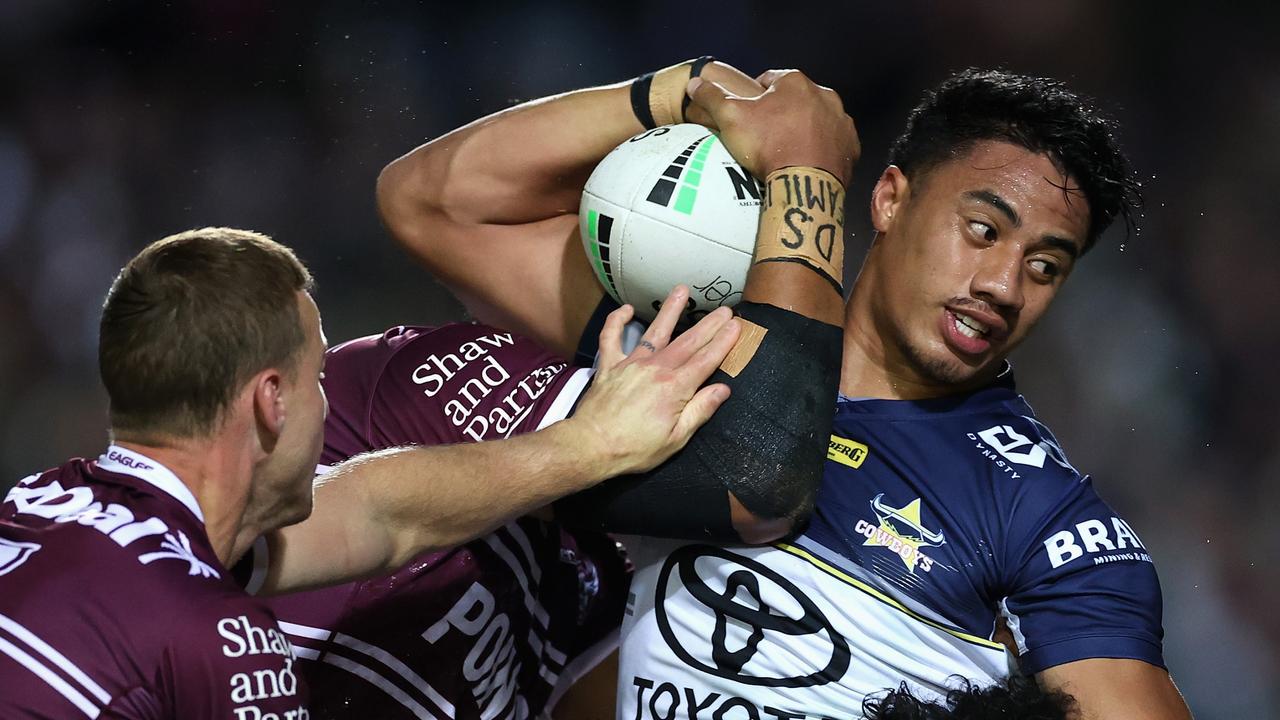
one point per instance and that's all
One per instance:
(122, 122)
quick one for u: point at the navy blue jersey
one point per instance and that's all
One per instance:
(935, 519)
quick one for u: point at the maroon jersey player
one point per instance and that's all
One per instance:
(118, 547)
(115, 600)
(499, 627)
(114, 595)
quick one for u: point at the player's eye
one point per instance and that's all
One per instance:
(983, 230)
(1045, 267)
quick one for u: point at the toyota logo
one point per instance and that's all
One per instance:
(756, 582)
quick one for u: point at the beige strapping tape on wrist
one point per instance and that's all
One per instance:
(666, 94)
(803, 221)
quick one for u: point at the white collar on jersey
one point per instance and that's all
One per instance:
(127, 462)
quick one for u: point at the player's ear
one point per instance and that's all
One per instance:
(269, 406)
(888, 197)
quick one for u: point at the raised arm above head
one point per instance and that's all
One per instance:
(752, 473)
(491, 207)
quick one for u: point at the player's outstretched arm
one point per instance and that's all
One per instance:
(491, 208)
(766, 447)
(377, 511)
(1118, 689)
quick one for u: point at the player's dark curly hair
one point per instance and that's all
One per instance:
(1020, 698)
(1039, 114)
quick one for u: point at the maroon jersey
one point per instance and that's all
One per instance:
(495, 628)
(113, 604)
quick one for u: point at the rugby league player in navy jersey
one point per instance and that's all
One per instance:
(946, 510)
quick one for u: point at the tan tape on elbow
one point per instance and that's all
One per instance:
(745, 348)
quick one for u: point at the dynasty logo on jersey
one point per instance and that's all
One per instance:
(901, 531)
(1006, 447)
(1013, 445)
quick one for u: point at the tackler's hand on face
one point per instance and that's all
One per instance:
(793, 122)
(643, 408)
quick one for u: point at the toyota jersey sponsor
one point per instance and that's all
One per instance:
(935, 520)
(498, 627)
(113, 604)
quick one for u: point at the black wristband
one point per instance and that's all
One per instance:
(694, 71)
(642, 87)
(640, 100)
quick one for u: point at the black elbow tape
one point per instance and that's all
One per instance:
(766, 444)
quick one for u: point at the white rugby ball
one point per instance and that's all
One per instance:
(671, 206)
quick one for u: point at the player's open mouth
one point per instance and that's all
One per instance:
(968, 335)
(970, 327)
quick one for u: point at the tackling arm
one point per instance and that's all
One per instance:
(377, 511)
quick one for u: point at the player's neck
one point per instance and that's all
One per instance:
(870, 366)
(219, 475)
(866, 371)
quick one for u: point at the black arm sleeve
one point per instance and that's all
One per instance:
(766, 444)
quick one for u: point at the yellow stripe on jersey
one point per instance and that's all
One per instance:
(848, 579)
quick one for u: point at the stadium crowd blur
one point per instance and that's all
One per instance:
(121, 122)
